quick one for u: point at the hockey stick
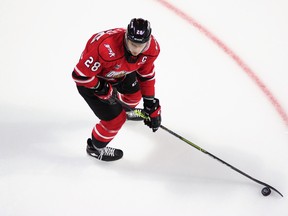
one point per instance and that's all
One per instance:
(222, 161)
(265, 191)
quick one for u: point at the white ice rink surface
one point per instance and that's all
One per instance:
(206, 97)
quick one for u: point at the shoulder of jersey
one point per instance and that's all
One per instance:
(154, 48)
(111, 48)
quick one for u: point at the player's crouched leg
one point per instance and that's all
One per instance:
(102, 134)
(132, 100)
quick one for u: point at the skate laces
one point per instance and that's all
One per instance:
(107, 151)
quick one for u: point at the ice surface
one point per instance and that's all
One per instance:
(205, 96)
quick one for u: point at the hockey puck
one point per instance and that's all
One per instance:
(266, 191)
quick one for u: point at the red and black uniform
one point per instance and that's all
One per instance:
(104, 59)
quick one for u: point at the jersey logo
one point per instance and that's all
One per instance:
(111, 53)
(116, 74)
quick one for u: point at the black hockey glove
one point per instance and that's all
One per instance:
(152, 109)
(104, 91)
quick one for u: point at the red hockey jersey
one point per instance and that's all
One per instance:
(104, 57)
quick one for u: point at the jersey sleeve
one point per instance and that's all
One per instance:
(86, 70)
(146, 78)
(146, 73)
(96, 58)
(89, 65)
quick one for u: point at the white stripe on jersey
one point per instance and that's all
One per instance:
(147, 75)
(84, 81)
(79, 72)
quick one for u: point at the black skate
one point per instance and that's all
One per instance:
(105, 154)
(135, 115)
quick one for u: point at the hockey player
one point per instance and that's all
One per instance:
(118, 63)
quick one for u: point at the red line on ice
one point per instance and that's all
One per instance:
(232, 54)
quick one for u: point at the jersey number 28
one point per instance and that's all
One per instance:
(91, 64)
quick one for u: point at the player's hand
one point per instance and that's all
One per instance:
(152, 109)
(104, 91)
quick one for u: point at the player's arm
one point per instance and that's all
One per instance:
(85, 74)
(152, 108)
(146, 73)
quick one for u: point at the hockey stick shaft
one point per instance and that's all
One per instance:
(218, 159)
(202, 150)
